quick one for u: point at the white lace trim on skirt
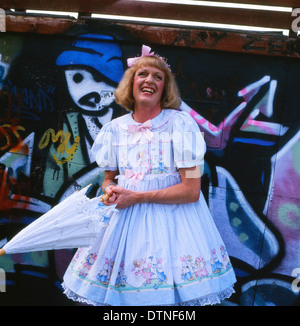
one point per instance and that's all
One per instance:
(210, 299)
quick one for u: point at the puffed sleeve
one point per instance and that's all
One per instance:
(188, 143)
(104, 148)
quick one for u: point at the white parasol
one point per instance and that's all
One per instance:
(73, 223)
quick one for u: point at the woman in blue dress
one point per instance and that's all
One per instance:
(152, 245)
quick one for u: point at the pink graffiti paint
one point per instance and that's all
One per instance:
(198, 118)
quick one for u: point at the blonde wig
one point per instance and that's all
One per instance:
(124, 92)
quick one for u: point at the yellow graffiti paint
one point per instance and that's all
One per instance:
(13, 130)
(62, 149)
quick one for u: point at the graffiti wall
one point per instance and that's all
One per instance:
(56, 92)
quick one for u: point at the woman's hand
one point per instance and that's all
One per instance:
(187, 191)
(112, 195)
(121, 196)
(109, 183)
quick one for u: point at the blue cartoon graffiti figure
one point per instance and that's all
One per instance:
(91, 67)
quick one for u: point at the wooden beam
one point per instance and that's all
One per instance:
(201, 14)
(39, 25)
(56, 5)
(219, 40)
(78, 5)
(277, 3)
(207, 14)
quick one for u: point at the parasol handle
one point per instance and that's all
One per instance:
(2, 252)
(104, 197)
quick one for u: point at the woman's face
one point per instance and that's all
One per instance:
(148, 85)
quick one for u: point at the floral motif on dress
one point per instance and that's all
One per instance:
(87, 265)
(152, 272)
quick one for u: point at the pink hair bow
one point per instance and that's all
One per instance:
(142, 129)
(145, 53)
(135, 177)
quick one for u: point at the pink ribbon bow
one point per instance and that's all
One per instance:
(142, 129)
(145, 53)
(135, 177)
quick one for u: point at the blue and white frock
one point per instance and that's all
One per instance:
(152, 254)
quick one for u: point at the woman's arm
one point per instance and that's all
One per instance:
(109, 177)
(185, 192)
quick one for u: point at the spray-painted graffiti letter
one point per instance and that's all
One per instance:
(7, 130)
(62, 147)
(296, 282)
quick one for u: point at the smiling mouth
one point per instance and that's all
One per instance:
(147, 90)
